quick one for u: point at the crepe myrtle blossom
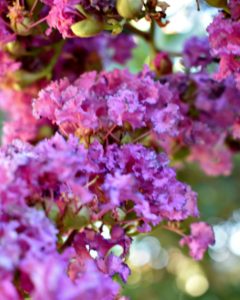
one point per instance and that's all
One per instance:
(210, 114)
(196, 52)
(200, 238)
(235, 9)
(129, 185)
(98, 101)
(192, 111)
(224, 42)
(101, 104)
(62, 15)
(68, 174)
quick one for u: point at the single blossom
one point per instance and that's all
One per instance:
(196, 52)
(200, 238)
(62, 15)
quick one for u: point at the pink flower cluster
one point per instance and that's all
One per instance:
(99, 101)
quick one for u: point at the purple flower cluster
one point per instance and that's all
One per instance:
(28, 252)
(104, 180)
(63, 14)
(192, 111)
(210, 111)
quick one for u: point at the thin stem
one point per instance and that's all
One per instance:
(26, 78)
(115, 138)
(144, 35)
(62, 130)
(58, 51)
(128, 222)
(91, 182)
(173, 229)
(198, 5)
(141, 136)
(152, 38)
(37, 23)
(34, 6)
(174, 54)
(109, 132)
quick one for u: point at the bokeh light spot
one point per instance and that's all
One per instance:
(196, 285)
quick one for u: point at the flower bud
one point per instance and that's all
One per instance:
(21, 27)
(217, 3)
(129, 9)
(162, 64)
(19, 20)
(87, 27)
(15, 48)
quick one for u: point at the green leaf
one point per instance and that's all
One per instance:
(126, 139)
(182, 153)
(75, 221)
(53, 213)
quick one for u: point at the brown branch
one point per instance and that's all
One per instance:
(149, 38)
(173, 229)
(144, 35)
(198, 5)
